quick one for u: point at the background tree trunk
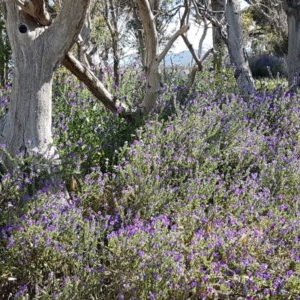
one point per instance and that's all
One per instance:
(112, 24)
(153, 59)
(218, 7)
(237, 52)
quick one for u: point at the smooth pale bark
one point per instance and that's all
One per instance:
(153, 74)
(237, 52)
(152, 57)
(26, 127)
(151, 64)
(292, 9)
(150, 32)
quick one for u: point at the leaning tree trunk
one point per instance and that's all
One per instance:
(37, 51)
(237, 52)
(292, 9)
(95, 86)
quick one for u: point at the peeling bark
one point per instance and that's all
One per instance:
(37, 10)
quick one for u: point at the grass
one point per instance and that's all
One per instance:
(200, 200)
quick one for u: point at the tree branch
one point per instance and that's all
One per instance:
(191, 49)
(184, 18)
(196, 68)
(187, 8)
(209, 15)
(95, 86)
(171, 41)
(203, 36)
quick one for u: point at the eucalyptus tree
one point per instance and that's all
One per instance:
(218, 9)
(236, 48)
(198, 57)
(41, 37)
(227, 24)
(39, 44)
(148, 10)
(164, 12)
(116, 14)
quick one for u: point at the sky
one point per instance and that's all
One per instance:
(194, 34)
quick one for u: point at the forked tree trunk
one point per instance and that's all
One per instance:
(237, 52)
(152, 57)
(37, 51)
(292, 9)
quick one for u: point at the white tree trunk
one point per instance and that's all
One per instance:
(152, 87)
(28, 121)
(237, 52)
(37, 51)
(150, 65)
(152, 58)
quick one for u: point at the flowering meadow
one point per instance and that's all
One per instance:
(197, 200)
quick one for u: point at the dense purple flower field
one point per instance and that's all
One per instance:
(199, 200)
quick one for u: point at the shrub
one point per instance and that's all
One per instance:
(201, 204)
(267, 66)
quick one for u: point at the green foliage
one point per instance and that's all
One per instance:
(58, 245)
(266, 25)
(215, 84)
(87, 134)
(5, 52)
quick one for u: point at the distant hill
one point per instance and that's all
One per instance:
(183, 58)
